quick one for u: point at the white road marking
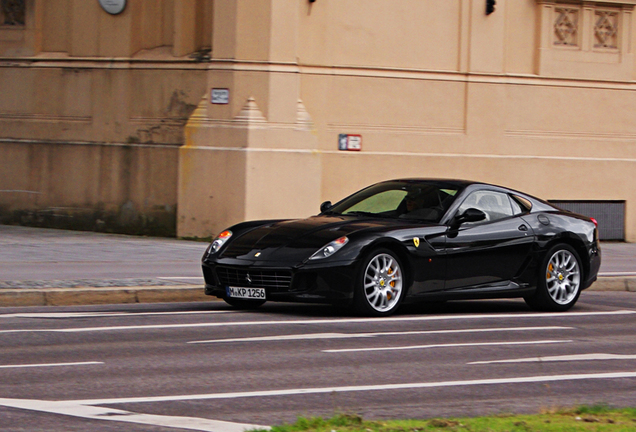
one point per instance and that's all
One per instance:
(312, 336)
(106, 314)
(89, 408)
(71, 408)
(374, 321)
(455, 345)
(402, 386)
(198, 278)
(611, 274)
(568, 358)
(49, 365)
(315, 336)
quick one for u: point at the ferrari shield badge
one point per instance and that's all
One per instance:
(416, 241)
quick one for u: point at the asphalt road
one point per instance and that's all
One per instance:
(203, 366)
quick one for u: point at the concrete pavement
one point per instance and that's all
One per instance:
(54, 267)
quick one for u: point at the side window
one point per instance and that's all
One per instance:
(496, 205)
(516, 207)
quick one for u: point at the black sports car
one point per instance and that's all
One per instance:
(410, 240)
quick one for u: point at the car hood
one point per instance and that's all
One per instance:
(297, 240)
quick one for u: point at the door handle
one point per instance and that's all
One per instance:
(523, 227)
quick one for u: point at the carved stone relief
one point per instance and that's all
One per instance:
(606, 29)
(589, 39)
(566, 26)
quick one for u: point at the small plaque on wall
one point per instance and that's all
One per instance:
(349, 142)
(113, 7)
(220, 96)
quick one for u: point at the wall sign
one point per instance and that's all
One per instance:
(349, 142)
(220, 96)
(113, 7)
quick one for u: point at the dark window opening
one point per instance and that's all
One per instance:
(12, 12)
(610, 216)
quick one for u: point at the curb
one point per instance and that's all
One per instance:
(94, 296)
(614, 283)
(179, 293)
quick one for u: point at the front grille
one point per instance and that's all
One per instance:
(275, 279)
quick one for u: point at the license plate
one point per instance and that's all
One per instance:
(246, 293)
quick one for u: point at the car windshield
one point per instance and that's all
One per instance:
(418, 200)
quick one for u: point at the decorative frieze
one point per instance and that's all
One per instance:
(597, 23)
(566, 26)
(606, 29)
(586, 39)
(569, 23)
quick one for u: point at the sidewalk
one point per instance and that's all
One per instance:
(618, 268)
(40, 267)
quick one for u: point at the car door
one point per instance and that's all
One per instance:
(488, 252)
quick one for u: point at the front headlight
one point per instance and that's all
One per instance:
(330, 249)
(219, 241)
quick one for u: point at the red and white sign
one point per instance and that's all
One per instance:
(349, 142)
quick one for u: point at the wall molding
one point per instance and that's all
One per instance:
(592, 136)
(24, 141)
(44, 118)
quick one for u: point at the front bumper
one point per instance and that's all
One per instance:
(330, 282)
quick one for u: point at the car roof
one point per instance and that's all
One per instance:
(456, 182)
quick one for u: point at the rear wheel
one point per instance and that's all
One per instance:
(559, 282)
(242, 303)
(381, 284)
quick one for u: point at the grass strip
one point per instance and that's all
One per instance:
(597, 418)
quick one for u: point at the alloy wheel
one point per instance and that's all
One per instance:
(383, 282)
(563, 277)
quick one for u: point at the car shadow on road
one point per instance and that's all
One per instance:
(304, 310)
(429, 308)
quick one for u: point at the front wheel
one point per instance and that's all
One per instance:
(380, 286)
(559, 282)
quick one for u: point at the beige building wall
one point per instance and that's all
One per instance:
(435, 89)
(92, 112)
(538, 95)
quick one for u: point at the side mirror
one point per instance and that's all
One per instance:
(470, 215)
(325, 206)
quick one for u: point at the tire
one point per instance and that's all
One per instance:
(381, 284)
(559, 280)
(243, 303)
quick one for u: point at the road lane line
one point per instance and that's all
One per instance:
(198, 278)
(107, 314)
(455, 345)
(312, 336)
(344, 389)
(374, 321)
(316, 336)
(568, 358)
(110, 414)
(49, 365)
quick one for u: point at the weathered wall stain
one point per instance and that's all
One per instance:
(116, 189)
